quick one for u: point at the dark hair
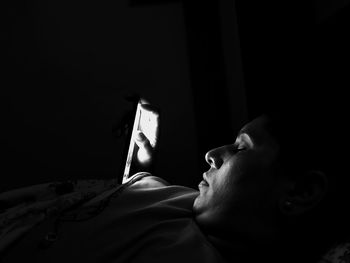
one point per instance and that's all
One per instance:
(308, 135)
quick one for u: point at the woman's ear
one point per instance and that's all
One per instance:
(304, 193)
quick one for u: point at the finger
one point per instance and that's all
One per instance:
(145, 152)
(144, 157)
(144, 101)
(142, 141)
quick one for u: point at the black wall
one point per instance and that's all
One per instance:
(66, 66)
(295, 51)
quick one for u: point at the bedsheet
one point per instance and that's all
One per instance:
(146, 221)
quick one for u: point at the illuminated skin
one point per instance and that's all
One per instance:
(239, 193)
(148, 145)
(145, 152)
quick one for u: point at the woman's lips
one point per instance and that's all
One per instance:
(204, 182)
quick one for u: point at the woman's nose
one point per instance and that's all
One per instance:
(213, 158)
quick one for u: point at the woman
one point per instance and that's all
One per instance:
(272, 195)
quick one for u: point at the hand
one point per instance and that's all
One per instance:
(147, 139)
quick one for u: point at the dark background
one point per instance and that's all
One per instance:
(209, 66)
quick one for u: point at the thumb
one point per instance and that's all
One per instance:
(145, 151)
(142, 141)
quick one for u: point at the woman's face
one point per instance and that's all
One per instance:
(240, 191)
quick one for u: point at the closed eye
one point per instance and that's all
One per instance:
(241, 149)
(238, 148)
(243, 142)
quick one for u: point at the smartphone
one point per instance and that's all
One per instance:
(145, 121)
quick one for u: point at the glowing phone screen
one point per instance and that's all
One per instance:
(145, 121)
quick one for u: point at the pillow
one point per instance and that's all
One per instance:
(339, 253)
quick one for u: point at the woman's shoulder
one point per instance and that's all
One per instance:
(148, 180)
